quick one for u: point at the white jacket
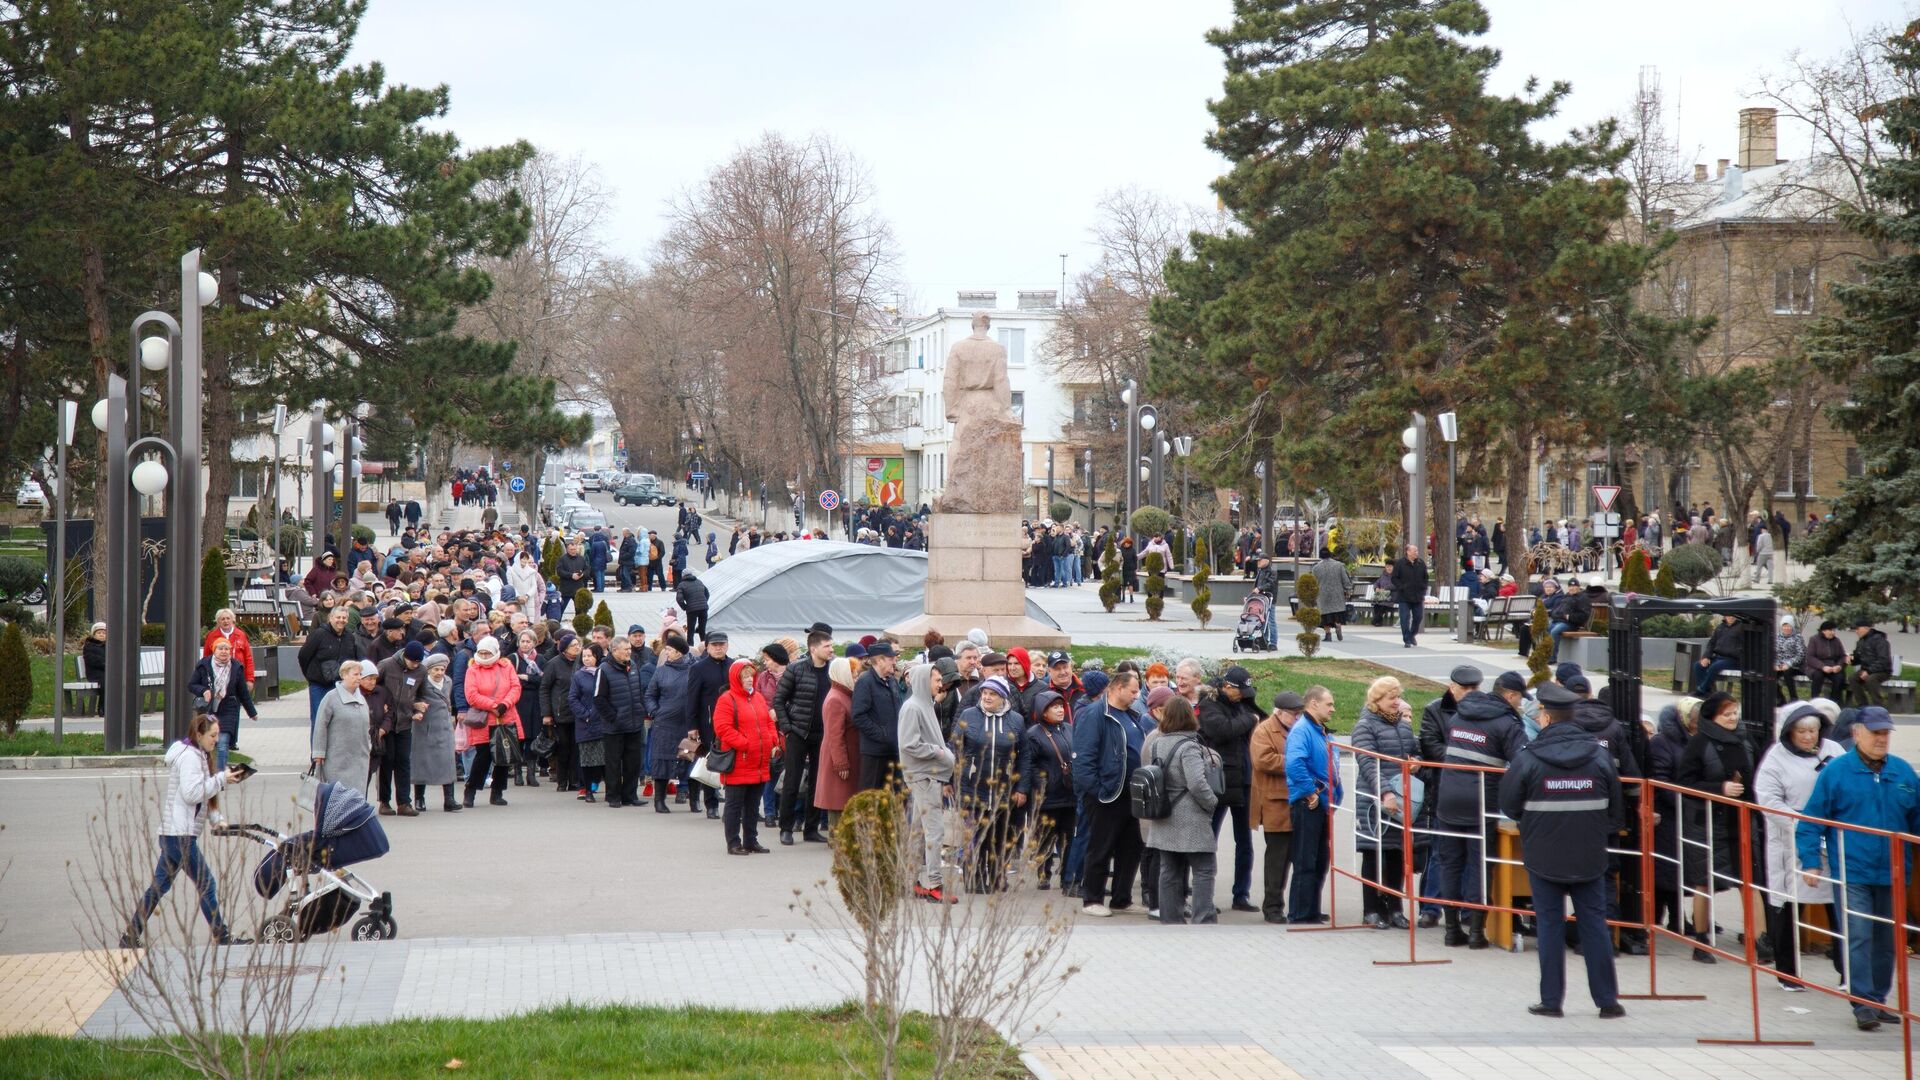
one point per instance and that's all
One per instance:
(184, 810)
(526, 583)
(1784, 781)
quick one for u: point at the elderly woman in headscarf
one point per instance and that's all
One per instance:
(1789, 653)
(1782, 784)
(340, 748)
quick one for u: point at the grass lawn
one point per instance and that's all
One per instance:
(1348, 679)
(41, 668)
(78, 743)
(569, 1041)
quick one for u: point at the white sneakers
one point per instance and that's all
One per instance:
(1096, 911)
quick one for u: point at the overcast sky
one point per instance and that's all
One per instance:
(991, 127)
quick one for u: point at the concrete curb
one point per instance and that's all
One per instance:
(1034, 1066)
(82, 761)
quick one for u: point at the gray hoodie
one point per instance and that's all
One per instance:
(923, 753)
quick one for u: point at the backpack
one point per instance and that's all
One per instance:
(1147, 794)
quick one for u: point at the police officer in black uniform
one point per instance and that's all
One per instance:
(1617, 740)
(1486, 731)
(1564, 792)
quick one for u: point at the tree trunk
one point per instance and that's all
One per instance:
(1518, 472)
(100, 344)
(219, 422)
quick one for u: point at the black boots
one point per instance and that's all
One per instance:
(497, 799)
(660, 800)
(1477, 930)
(467, 799)
(1455, 937)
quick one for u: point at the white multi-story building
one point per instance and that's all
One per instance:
(905, 454)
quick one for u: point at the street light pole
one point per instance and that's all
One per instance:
(1093, 513)
(1414, 464)
(1183, 446)
(1131, 398)
(1450, 431)
(57, 614)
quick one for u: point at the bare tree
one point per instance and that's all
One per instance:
(782, 250)
(219, 1010)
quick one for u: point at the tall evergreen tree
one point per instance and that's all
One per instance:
(1400, 242)
(1868, 556)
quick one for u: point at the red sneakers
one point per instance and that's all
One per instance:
(933, 895)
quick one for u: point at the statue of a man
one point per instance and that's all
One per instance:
(984, 473)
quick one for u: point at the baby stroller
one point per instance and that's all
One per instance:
(311, 866)
(1250, 633)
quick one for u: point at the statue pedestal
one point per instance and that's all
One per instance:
(973, 580)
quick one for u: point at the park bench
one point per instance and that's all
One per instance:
(83, 696)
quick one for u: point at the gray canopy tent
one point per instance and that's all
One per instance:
(782, 587)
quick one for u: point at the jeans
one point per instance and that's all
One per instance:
(1073, 868)
(1242, 849)
(625, 576)
(599, 577)
(1596, 944)
(1273, 624)
(315, 694)
(221, 749)
(1411, 616)
(1870, 952)
(1053, 836)
(1703, 676)
(1174, 866)
(1554, 630)
(739, 821)
(1061, 572)
(179, 853)
(1309, 861)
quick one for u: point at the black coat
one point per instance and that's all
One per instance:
(692, 595)
(1484, 731)
(796, 701)
(1563, 791)
(1409, 581)
(324, 647)
(555, 680)
(1713, 756)
(1226, 728)
(706, 682)
(1046, 765)
(227, 708)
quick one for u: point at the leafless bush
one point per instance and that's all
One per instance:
(993, 960)
(223, 1011)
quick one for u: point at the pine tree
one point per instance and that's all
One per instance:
(602, 615)
(1156, 566)
(1542, 646)
(1634, 577)
(1663, 583)
(1399, 241)
(1867, 559)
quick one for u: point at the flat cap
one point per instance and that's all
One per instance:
(1466, 675)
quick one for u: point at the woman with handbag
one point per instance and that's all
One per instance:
(666, 702)
(589, 731)
(432, 749)
(493, 691)
(1385, 727)
(527, 668)
(340, 748)
(747, 743)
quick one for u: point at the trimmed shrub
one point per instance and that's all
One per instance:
(602, 615)
(583, 603)
(1676, 626)
(361, 532)
(153, 633)
(213, 586)
(1202, 594)
(1692, 565)
(1151, 521)
(76, 598)
(866, 857)
(1219, 538)
(1307, 589)
(1156, 585)
(16, 678)
(18, 576)
(582, 624)
(1663, 585)
(1110, 581)
(1060, 510)
(1542, 647)
(550, 558)
(1634, 575)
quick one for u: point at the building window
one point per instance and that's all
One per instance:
(1566, 498)
(1855, 466)
(1015, 342)
(1794, 478)
(1682, 295)
(1793, 291)
(1020, 406)
(248, 480)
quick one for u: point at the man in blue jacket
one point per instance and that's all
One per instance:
(1313, 790)
(599, 551)
(1873, 789)
(875, 712)
(1106, 750)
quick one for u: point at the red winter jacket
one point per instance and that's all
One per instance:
(743, 723)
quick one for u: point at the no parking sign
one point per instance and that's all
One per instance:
(829, 499)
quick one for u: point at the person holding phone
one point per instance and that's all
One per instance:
(1716, 762)
(193, 788)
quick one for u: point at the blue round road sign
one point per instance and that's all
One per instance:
(829, 499)
(517, 485)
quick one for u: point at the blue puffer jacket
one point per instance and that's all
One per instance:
(1308, 767)
(667, 704)
(587, 725)
(620, 697)
(1849, 791)
(1106, 750)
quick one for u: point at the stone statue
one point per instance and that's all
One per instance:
(984, 474)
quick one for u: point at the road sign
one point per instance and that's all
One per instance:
(1606, 526)
(1605, 494)
(506, 466)
(829, 499)
(517, 485)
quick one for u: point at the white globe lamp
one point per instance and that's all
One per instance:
(149, 478)
(155, 353)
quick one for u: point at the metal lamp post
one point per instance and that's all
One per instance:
(1414, 464)
(320, 435)
(273, 526)
(133, 471)
(1183, 446)
(1086, 456)
(1149, 452)
(57, 611)
(1450, 431)
(1130, 397)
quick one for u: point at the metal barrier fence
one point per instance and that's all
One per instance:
(1644, 861)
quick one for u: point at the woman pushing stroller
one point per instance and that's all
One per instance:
(193, 788)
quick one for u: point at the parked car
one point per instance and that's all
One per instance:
(591, 481)
(642, 495)
(30, 493)
(582, 520)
